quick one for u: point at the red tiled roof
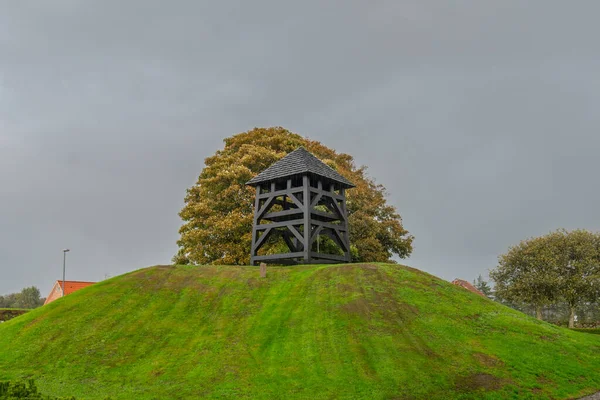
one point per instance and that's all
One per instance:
(73, 286)
(468, 286)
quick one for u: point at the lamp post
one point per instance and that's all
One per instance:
(64, 289)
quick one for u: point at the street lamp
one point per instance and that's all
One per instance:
(65, 251)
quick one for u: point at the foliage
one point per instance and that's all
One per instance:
(559, 267)
(10, 313)
(218, 209)
(24, 390)
(558, 313)
(525, 274)
(343, 331)
(594, 331)
(579, 275)
(29, 297)
(587, 313)
(484, 287)
(9, 300)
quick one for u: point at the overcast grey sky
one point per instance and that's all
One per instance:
(480, 117)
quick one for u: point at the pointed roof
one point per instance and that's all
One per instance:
(298, 162)
(70, 286)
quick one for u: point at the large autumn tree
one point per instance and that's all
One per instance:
(218, 211)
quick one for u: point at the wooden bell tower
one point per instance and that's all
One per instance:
(299, 198)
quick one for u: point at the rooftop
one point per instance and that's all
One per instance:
(468, 286)
(73, 286)
(299, 161)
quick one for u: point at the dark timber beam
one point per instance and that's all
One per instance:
(307, 219)
(273, 257)
(277, 193)
(326, 193)
(333, 257)
(277, 216)
(262, 227)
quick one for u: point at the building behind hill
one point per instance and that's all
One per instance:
(71, 286)
(468, 286)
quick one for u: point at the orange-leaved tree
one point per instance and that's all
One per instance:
(218, 211)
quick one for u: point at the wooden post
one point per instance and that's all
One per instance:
(254, 233)
(346, 232)
(307, 224)
(263, 270)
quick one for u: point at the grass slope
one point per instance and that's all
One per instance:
(311, 332)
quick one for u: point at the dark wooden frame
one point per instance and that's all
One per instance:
(298, 222)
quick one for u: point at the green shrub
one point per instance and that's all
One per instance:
(588, 330)
(10, 313)
(24, 390)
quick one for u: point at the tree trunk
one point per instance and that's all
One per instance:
(538, 313)
(572, 317)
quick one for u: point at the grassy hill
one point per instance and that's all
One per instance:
(310, 332)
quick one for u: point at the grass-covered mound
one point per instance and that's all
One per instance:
(311, 332)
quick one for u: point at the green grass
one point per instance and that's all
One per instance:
(309, 332)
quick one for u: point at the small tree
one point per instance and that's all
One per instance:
(579, 278)
(482, 285)
(559, 267)
(29, 298)
(526, 274)
(9, 300)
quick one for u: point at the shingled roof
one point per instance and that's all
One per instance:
(298, 162)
